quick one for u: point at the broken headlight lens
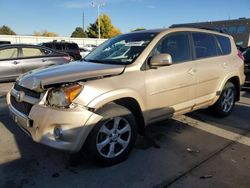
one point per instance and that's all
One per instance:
(63, 97)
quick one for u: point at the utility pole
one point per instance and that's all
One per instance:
(83, 21)
(98, 5)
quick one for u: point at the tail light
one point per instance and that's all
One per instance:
(68, 58)
(240, 55)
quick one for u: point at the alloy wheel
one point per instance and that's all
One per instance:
(228, 100)
(113, 137)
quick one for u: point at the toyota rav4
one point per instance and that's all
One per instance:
(100, 104)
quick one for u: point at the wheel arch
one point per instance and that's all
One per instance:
(234, 79)
(124, 97)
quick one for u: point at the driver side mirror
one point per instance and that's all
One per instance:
(159, 60)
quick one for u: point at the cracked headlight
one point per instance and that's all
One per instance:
(63, 96)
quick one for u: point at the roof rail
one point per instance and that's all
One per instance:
(199, 27)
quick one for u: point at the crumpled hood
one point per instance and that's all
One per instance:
(75, 71)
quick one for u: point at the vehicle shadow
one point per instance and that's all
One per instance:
(163, 150)
(236, 120)
(246, 93)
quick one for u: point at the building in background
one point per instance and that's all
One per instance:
(238, 28)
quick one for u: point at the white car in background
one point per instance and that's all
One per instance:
(84, 52)
(89, 47)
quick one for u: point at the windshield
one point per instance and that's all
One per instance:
(123, 49)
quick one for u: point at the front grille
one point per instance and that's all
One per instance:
(27, 92)
(23, 107)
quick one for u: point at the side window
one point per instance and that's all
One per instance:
(225, 44)
(31, 52)
(204, 45)
(10, 53)
(177, 45)
(232, 29)
(241, 29)
(246, 54)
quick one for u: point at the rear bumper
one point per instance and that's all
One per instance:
(75, 124)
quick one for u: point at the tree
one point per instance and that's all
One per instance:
(5, 30)
(107, 29)
(79, 33)
(138, 29)
(45, 33)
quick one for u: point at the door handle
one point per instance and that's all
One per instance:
(192, 71)
(15, 62)
(43, 60)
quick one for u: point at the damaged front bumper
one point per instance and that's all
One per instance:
(42, 122)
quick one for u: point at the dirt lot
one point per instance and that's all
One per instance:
(195, 150)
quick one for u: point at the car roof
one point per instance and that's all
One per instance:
(150, 30)
(18, 45)
(63, 42)
(162, 30)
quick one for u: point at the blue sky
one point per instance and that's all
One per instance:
(62, 16)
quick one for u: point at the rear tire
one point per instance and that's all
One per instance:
(224, 105)
(112, 139)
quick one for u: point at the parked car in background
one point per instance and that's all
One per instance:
(16, 59)
(70, 48)
(89, 47)
(100, 105)
(5, 42)
(84, 52)
(246, 55)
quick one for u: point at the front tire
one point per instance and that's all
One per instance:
(224, 106)
(112, 139)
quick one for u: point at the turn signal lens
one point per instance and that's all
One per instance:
(72, 92)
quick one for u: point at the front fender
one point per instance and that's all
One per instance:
(113, 95)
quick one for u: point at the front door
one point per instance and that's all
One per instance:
(33, 58)
(171, 89)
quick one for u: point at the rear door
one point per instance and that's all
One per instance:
(210, 65)
(10, 66)
(32, 58)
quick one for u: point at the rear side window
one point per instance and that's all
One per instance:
(224, 44)
(204, 45)
(177, 45)
(31, 52)
(10, 53)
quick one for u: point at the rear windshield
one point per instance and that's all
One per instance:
(225, 45)
(72, 46)
(58, 46)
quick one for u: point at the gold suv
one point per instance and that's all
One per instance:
(98, 105)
